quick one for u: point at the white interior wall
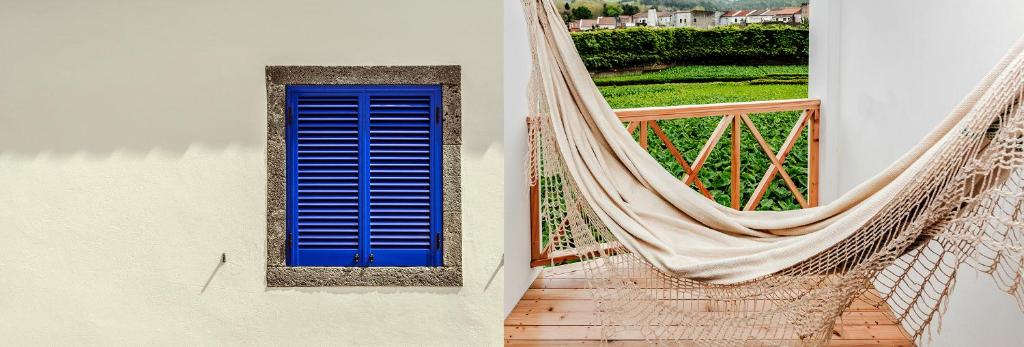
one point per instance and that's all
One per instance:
(518, 274)
(132, 155)
(894, 69)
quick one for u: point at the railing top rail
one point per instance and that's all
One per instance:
(692, 111)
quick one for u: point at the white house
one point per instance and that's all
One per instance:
(787, 15)
(625, 22)
(759, 16)
(605, 23)
(734, 17)
(664, 18)
(651, 19)
(586, 24)
(693, 19)
(640, 19)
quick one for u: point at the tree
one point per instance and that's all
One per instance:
(582, 12)
(612, 10)
(630, 9)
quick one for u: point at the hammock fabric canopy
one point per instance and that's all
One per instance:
(954, 198)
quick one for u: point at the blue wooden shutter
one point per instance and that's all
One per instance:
(324, 177)
(364, 185)
(404, 160)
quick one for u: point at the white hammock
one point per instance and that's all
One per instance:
(955, 198)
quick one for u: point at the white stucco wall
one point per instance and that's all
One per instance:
(132, 154)
(887, 84)
(518, 274)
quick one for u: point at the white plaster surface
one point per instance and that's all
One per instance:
(891, 78)
(518, 274)
(132, 155)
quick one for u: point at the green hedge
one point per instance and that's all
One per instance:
(642, 46)
(705, 74)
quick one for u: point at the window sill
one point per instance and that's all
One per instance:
(364, 276)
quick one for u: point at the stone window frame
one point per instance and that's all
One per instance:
(279, 274)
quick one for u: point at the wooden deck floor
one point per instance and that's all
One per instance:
(557, 310)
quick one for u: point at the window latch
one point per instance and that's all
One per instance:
(371, 257)
(355, 258)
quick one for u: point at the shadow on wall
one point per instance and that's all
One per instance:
(77, 109)
(134, 114)
(144, 77)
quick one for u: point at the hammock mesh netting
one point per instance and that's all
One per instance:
(957, 199)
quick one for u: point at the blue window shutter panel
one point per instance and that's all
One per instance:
(404, 177)
(323, 178)
(364, 185)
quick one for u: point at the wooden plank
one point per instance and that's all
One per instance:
(766, 180)
(640, 343)
(555, 300)
(775, 160)
(587, 332)
(692, 111)
(625, 343)
(708, 147)
(735, 179)
(585, 303)
(534, 298)
(559, 256)
(564, 270)
(679, 158)
(555, 318)
(579, 281)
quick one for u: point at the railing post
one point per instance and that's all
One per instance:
(643, 135)
(814, 161)
(535, 237)
(735, 185)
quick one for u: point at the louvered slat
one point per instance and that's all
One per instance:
(325, 182)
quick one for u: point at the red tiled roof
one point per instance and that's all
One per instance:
(786, 11)
(740, 13)
(606, 20)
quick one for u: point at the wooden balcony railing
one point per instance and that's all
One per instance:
(736, 116)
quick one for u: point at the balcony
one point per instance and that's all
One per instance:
(557, 309)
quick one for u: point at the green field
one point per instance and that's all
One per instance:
(704, 73)
(689, 135)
